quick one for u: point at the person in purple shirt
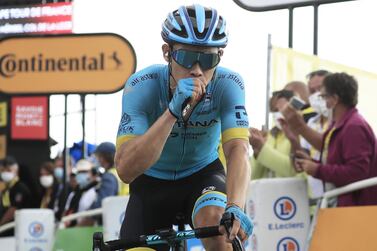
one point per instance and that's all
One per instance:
(348, 148)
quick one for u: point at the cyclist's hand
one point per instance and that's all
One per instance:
(241, 227)
(188, 89)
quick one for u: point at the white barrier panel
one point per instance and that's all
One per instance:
(8, 242)
(279, 208)
(34, 229)
(114, 208)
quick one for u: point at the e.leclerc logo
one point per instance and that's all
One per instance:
(285, 208)
(36, 229)
(288, 244)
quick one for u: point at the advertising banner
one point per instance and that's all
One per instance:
(34, 229)
(114, 208)
(72, 63)
(280, 211)
(3, 114)
(29, 118)
(36, 19)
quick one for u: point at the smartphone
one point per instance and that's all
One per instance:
(297, 103)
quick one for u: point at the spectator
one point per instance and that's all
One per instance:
(272, 151)
(348, 147)
(84, 194)
(49, 185)
(318, 123)
(16, 194)
(105, 153)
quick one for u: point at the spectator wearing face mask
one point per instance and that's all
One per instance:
(318, 123)
(49, 185)
(271, 156)
(15, 195)
(348, 147)
(84, 194)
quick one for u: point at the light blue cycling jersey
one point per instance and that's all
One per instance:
(192, 146)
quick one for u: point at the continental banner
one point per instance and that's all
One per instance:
(59, 64)
(289, 65)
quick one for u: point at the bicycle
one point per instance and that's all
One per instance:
(175, 239)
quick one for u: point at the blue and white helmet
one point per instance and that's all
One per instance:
(195, 25)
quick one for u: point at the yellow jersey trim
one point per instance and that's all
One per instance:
(124, 138)
(235, 133)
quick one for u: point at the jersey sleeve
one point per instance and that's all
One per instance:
(234, 118)
(134, 120)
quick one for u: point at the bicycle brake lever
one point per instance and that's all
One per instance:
(227, 222)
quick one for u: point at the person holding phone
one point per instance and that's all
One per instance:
(348, 147)
(172, 119)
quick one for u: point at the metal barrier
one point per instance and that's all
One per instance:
(346, 189)
(61, 225)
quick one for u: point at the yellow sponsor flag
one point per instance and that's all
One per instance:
(289, 65)
(3, 114)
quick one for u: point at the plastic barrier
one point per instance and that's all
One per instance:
(345, 229)
(114, 208)
(280, 211)
(34, 229)
(8, 242)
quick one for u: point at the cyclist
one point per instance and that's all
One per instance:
(169, 158)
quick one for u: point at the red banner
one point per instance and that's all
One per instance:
(29, 118)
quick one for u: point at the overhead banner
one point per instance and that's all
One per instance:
(29, 118)
(63, 64)
(289, 65)
(37, 19)
(266, 5)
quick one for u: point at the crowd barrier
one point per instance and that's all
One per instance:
(276, 205)
(280, 212)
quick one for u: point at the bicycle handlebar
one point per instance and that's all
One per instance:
(168, 236)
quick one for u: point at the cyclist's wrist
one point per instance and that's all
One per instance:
(230, 204)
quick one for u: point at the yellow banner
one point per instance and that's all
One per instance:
(3, 114)
(3, 146)
(73, 63)
(289, 65)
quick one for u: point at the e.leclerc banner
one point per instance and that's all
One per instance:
(72, 63)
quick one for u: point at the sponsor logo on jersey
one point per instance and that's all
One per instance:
(205, 123)
(140, 79)
(208, 189)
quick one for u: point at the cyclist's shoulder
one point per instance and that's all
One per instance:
(229, 79)
(151, 74)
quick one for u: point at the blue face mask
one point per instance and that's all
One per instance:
(58, 172)
(82, 179)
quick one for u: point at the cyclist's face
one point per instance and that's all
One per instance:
(180, 72)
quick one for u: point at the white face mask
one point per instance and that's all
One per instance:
(277, 116)
(46, 180)
(318, 104)
(7, 176)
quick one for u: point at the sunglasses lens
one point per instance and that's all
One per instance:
(188, 59)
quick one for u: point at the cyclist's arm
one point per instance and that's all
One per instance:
(234, 127)
(138, 153)
(238, 170)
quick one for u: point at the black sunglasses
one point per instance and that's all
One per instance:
(188, 59)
